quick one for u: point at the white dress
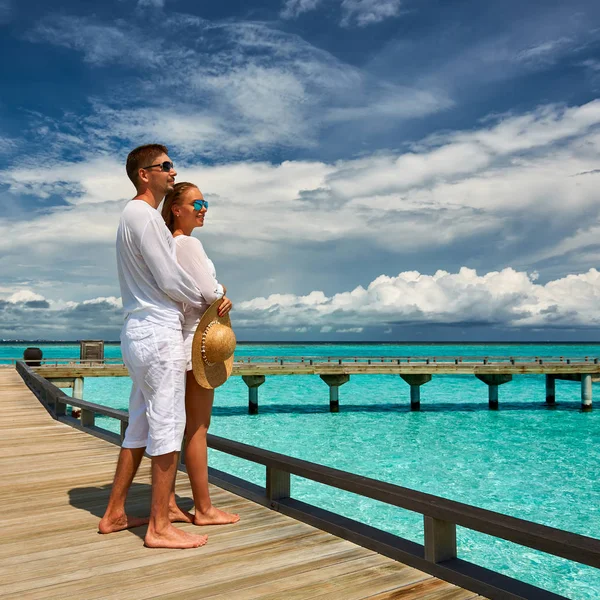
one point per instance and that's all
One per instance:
(193, 260)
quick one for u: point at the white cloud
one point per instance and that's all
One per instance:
(354, 12)
(151, 3)
(294, 8)
(101, 44)
(519, 191)
(545, 52)
(511, 181)
(24, 296)
(593, 65)
(508, 298)
(28, 315)
(368, 12)
(261, 89)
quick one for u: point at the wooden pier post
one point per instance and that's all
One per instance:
(415, 382)
(550, 389)
(253, 382)
(334, 382)
(78, 393)
(586, 392)
(78, 388)
(493, 381)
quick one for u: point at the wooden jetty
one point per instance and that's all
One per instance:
(336, 371)
(55, 483)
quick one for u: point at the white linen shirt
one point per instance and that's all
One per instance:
(153, 285)
(194, 261)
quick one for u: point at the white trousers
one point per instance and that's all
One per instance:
(156, 361)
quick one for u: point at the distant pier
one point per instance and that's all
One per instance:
(336, 371)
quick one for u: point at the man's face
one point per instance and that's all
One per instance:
(160, 181)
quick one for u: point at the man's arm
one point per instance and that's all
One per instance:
(191, 257)
(169, 276)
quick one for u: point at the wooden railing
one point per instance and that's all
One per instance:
(437, 556)
(428, 360)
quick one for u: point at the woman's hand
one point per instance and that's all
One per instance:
(224, 307)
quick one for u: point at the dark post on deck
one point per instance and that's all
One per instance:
(253, 382)
(334, 382)
(415, 382)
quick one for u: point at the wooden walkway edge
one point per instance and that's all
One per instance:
(54, 485)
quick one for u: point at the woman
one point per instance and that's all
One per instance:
(184, 209)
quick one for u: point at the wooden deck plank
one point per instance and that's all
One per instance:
(54, 485)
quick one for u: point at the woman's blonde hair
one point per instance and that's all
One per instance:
(173, 198)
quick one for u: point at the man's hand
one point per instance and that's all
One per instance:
(224, 307)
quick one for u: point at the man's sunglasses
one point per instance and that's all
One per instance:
(164, 166)
(200, 204)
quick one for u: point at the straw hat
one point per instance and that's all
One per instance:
(212, 348)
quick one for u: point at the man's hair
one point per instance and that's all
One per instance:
(141, 157)
(174, 198)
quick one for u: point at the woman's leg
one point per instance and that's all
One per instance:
(198, 406)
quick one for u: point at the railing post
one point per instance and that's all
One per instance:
(440, 540)
(278, 485)
(87, 417)
(60, 408)
(123, 429)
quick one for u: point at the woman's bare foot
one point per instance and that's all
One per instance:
(178, 515)
(119, 522)
(171, 537)
(215, 516)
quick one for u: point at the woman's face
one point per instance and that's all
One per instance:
(190, 213)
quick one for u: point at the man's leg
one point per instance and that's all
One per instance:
(115, 517)
(161, 534)
(165, 398)
(134, 445)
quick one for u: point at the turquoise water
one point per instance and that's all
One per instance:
(525, 460)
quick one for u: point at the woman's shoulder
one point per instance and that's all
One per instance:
(190, 243)
(188, 240)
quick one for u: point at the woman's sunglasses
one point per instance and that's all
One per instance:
(200, 204)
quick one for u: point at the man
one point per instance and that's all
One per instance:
(153, 286)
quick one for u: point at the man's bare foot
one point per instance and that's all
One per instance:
(119, 522)
(177, 515)
(215, 516)
(171, 537)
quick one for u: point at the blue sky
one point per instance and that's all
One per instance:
(377, 169)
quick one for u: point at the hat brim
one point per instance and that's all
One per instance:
(216, 374)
